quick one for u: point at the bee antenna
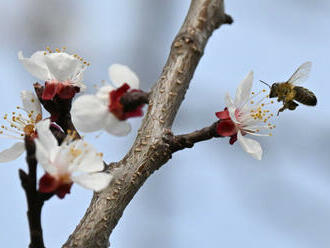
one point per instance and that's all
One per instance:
(265, 83)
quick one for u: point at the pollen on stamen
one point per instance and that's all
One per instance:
(48, 49)
(75, 152)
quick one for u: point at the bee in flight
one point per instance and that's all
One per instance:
(288, 92)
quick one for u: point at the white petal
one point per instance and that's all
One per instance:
(94, 181)
(63, 66)
(44, 157)
(31, 102)
(45, 136)
(88, 113)
(12, 153)
(88, 161)
(103, 93)
(231, 108)
(120, 74)
(116, 127)
(251, 146)
(61, 157)
(35, 65)
(243, 90)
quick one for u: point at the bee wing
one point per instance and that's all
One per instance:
(301, 74)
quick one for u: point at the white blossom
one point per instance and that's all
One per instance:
(249, 117)
(19, 125)
(55, 66)
(72, 161)
(92, 112)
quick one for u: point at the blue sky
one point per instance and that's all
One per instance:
(213, 195)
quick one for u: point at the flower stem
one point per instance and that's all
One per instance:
(35, 199)
(180, 142)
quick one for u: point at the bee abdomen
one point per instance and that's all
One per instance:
(305, 96)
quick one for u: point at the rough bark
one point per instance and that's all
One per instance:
(150, 150)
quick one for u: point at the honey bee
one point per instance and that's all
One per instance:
(288, 92)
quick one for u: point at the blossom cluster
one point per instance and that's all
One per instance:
(70, 160)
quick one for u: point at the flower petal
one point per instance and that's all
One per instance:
(31, 102)
(231, 108)
(89, 160)
(251, 146)
(88, 113)
(104, 93)
(243, 90)
(12, 153)
(45, 136)
(94, 181)
(44, 157)
(120, 74)
(116, 127)
(35, 65)
(63, 66)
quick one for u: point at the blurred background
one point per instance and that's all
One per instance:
(214, 195)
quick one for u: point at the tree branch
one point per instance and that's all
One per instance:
(180, 142)
(149, 151)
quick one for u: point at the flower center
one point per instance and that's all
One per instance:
(254, 116)
(20, 125)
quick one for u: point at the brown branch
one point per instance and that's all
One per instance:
(35, 199)
(180, 142)
(149, 151)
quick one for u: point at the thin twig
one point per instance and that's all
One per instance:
(35, 199)
(180, 142)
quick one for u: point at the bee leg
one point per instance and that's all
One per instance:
(292, 105)
(281, 109)
(286, 105)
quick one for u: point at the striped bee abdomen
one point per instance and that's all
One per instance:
(305, 96)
